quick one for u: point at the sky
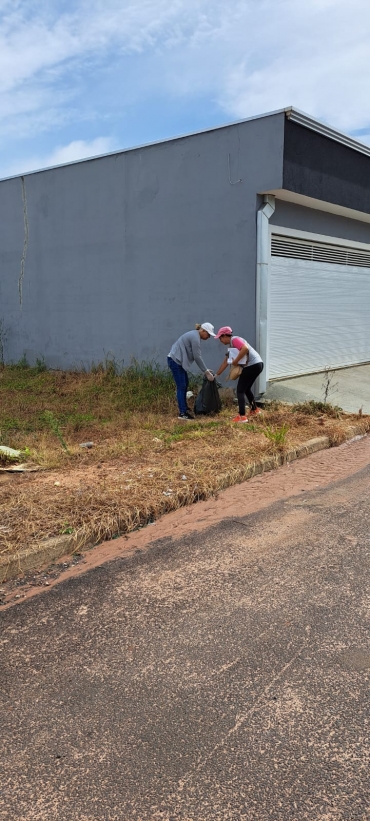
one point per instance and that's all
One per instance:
(83, 78)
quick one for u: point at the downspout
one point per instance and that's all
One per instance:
(263, 285)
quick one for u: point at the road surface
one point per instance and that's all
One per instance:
(222, 674)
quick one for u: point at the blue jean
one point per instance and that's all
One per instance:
(182, 383)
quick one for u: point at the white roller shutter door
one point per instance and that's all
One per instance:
(319, 313)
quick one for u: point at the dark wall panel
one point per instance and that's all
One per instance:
(321, 168)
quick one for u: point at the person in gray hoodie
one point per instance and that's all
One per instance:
(183, 353)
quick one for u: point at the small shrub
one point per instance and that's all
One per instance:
(312, 408)
(40, 366)
(276, 435)
(54, 427)
(23, 364)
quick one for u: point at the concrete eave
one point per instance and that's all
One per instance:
(299, 117)
(318, 205)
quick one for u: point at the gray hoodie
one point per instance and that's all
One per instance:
(187, 350)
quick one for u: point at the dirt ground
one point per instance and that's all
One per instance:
(143, 462)
(257, 494)
(116, 487)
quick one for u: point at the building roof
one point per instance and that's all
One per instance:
(301, 118)
(292, 114)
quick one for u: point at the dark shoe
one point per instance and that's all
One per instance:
(186, 416)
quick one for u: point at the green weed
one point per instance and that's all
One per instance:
(110, 367)
(276, 435)
(23, 364)
(40, 366)
(66, 529)
(55, 428)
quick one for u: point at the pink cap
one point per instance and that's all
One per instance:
(224, 330)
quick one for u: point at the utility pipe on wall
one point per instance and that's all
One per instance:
(263, 285)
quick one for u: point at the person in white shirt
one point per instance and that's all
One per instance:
(241, 353)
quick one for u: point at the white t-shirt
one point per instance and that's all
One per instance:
(238, 343)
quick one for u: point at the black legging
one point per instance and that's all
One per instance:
(243, 389)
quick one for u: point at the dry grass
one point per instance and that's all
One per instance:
(143, 462)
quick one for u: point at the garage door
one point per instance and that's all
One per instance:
(319, 314)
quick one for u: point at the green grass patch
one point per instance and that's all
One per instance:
(79, 399)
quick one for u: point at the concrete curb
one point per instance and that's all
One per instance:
(35, 558)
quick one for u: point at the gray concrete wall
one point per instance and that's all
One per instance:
(121, 254)
(289, 215)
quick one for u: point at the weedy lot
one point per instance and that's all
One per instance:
(143, 463)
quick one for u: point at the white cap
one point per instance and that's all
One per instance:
(209, 328)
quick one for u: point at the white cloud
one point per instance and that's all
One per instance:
(261, 56)
(76, 150)
(37, 37)
(47, 48)
(314, 56)
(248, 57)
(79, 149)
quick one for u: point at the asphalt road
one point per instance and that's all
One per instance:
(221, 676)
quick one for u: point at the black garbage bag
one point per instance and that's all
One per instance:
(208, 399)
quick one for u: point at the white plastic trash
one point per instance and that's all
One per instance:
(13, 454)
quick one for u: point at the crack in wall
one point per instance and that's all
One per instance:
(25, 242)
(3, 335)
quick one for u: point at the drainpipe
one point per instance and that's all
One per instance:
(263, 285)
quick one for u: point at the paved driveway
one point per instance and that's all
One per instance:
(350, 389)
(222, 675)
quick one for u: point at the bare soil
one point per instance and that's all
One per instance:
(143, 462)
(100, 497)
(295, 479)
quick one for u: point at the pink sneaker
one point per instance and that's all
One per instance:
(255, 412)
(239, 418)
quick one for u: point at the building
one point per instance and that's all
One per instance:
(263, 224)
